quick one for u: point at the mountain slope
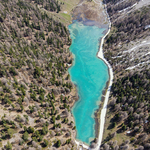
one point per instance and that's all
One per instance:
(127, 48)
(36, 93)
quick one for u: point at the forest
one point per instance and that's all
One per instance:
(36, 93)
(127, 120)
(131, 27)
(50, 5)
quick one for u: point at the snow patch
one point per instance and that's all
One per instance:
(118, 56)
(120, 2)
(65, 12)
(132, 49)
(127, 8)
(130, 68)
(147, 27)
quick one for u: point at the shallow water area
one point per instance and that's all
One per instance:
(90, 74)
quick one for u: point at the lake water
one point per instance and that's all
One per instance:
(90, 74)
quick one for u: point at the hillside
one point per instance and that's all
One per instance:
(60, 10)
(36, 93)
(127, 48)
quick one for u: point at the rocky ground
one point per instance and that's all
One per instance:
(88, 10)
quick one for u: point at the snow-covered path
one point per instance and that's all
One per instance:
(104, 110)
(132, 49)
(127, 8)
(132, 67)
(142, 3)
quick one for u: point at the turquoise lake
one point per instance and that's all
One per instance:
(90, 74)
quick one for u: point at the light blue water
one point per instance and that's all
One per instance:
(90, 74)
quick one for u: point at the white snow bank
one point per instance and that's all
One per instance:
(130, 68)
(127, 8)
(147, 27)
(65, 12)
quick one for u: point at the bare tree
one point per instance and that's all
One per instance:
(130, 109)
(125, 147)
(112, 102)
(117, 107)
(140, 148)
(147, 146)
(34, 144)
(106, 146)
(116, 147)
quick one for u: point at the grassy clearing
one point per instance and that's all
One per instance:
(66, 16)
(12, 131)
(67, 7)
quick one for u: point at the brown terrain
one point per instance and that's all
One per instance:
(90, 10)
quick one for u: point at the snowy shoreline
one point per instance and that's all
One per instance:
(104, 110)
